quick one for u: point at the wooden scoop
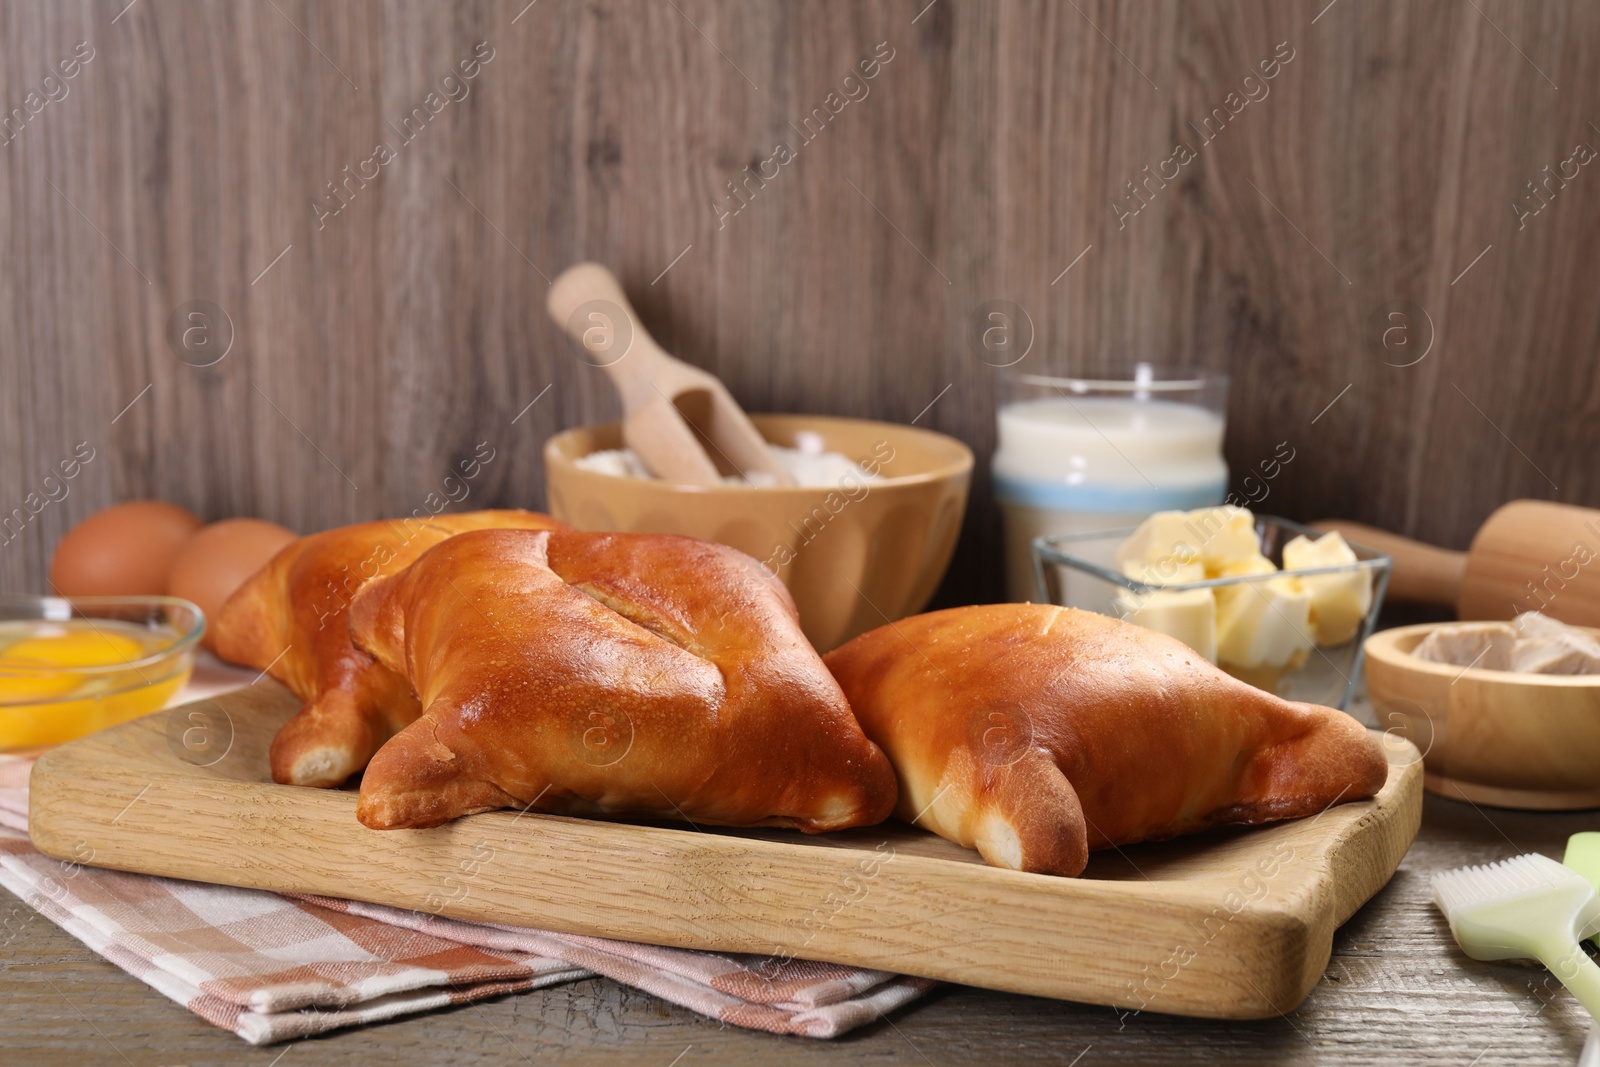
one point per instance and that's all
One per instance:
(1530, 555)
(683, 423)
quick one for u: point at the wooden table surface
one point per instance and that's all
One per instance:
(1397, 990)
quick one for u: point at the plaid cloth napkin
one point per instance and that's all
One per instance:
(272, 967)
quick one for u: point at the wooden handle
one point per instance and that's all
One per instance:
(609, 332)
(580, 283)
(659, 392)
(1422, 574)
(588, 303)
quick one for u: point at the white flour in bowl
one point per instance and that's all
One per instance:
(814, 469)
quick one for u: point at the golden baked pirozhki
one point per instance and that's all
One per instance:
(599, 674)
(1036, 733)
(289, 620)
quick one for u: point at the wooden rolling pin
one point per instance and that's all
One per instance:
(1530, 555)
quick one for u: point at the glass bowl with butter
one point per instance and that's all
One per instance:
(69, 667)
(1274, 603)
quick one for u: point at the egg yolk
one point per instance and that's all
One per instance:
(61, 681)
(82, 648)
(23, 665)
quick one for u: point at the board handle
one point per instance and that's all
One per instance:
(1422, 574)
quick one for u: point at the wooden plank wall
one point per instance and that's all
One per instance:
(373, 347)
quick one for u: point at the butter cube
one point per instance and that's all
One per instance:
(1161, 536)
(1213, 537)
(1339, 602)
(1190, 615)
(1257, 564)
(1169, 571)
(1265, 624)
(1243, 567)
(1228, 538)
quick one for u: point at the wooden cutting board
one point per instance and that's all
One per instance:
(1233, 924)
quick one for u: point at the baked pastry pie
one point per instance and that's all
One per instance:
(608, 674)
(289, 620)
(1036, 733)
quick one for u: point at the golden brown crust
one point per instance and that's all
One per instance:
(1036, 733)
(609, 674)
(289, 620)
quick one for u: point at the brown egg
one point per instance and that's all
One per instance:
(220, 558)
(126, 550)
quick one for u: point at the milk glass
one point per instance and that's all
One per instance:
(1078, 454)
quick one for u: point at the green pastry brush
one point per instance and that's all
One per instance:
(1527, 907)
(1583, 856)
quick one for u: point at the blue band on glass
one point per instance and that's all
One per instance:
(1055, 496)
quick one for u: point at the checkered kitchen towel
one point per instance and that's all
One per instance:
(272, 967)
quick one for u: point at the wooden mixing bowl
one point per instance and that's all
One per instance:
(854, 556)
(1492, 737)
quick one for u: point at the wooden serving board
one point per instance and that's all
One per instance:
(1230, 924)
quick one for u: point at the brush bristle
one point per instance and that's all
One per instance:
(1468, 887)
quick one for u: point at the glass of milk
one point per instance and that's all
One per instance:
(1080, 454)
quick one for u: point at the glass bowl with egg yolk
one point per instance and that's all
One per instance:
(71, 667)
